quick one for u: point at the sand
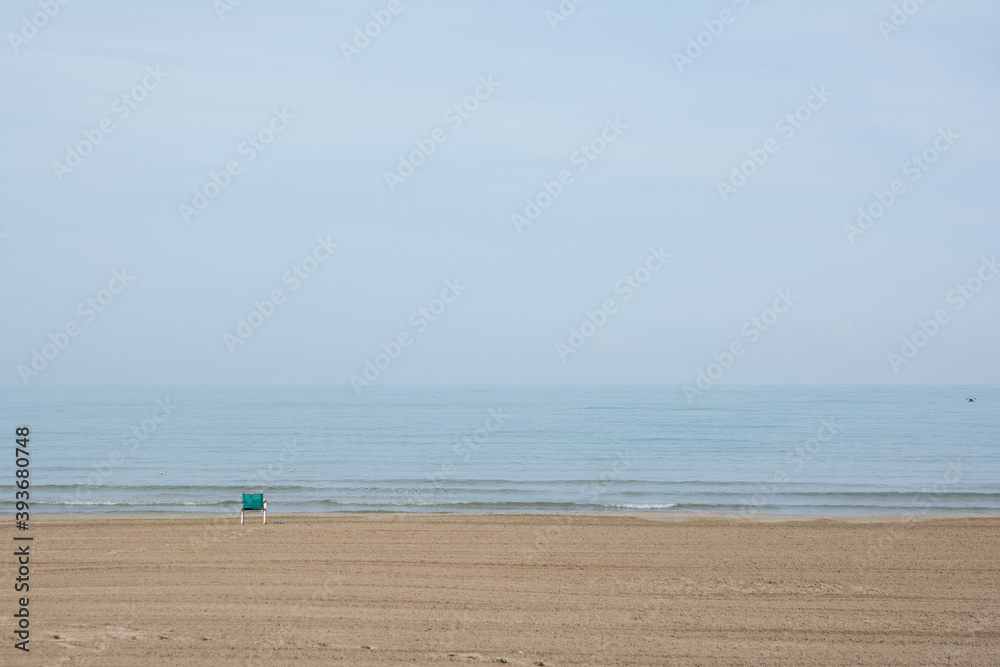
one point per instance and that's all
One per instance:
(520, 589)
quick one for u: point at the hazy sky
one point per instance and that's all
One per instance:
(310, 127)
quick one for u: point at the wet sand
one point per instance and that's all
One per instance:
(370, 589)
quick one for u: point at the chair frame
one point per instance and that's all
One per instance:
(254, 509)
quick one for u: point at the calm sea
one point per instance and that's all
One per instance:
(420, 448)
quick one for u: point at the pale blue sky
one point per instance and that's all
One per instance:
(655, 186)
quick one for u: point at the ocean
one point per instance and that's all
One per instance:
(826, 450)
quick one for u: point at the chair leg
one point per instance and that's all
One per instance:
(241, 517)
(265, 517)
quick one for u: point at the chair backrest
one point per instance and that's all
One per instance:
(253, 501)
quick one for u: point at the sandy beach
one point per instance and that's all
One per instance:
(509, 589)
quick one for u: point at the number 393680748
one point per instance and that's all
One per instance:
(22, 460)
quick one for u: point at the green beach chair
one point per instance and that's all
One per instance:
(254, 502)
